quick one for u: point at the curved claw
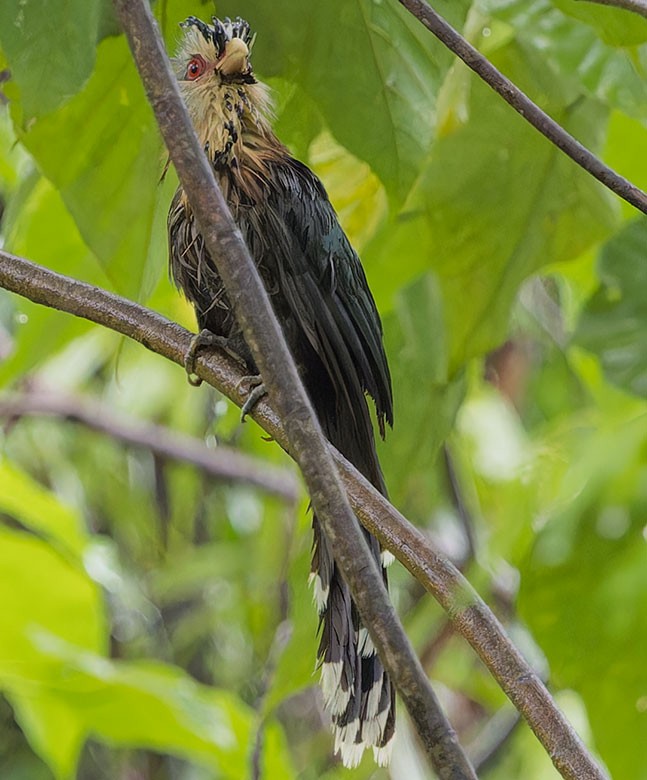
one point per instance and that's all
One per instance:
(256, 392)
(203, 339)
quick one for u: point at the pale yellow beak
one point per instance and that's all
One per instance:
(234, 59)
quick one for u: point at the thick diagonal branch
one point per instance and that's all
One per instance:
(269, 349)
(468, 613)
(524, 105)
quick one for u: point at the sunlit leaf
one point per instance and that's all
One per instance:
(30, 504)
(40, 228)
(71, 610)
(153, 706)
(107, 169)
(42, 591)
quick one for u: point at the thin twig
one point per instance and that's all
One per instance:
(269, 349)
(460, 505)
(520, 102)
(222, 463)
(470, 616)
(637, 6)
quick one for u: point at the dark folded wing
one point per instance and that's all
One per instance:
(300, 247)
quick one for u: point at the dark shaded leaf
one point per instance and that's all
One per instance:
(613, 325)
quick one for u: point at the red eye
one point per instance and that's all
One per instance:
(195, 68)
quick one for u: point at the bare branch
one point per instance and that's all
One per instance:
(267, 344)
(637, 6)
(469, 615)
(222, 463)
(523, 105)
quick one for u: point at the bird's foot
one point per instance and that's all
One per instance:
(256, 390)
(203, 339)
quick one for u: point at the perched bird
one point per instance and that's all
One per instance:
(320, 295)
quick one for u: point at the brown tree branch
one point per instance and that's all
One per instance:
(523, 105)
(469, 615)
(637, 6)
(222, 463)
(267, 344)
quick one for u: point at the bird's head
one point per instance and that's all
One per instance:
(229, 108)
(214, 54)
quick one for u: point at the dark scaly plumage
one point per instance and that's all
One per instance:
(321, 298)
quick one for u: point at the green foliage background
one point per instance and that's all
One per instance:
(155, 624)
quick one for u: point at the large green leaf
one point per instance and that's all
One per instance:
(50, 47)
(501, 202)
(144, 704)
(613, 324)
(37, 509)
(72, 609)
(101, 150)
(53, 628)
(40, 228)
(374, 74)
(42, 591)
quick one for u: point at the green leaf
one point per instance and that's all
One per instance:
(148, 705)
(380, 102)
(626, 138)
(501, 202)
(50, 47)
(576, 54)
(298, 121)
(616, 26)
(13, 160)
(613, 324)
(40, 228)
(584, 587)
(295, 666)
(426, 397)
(106, 169)
(42, 590)
(275, 755)
(39, 510)
(54, 731)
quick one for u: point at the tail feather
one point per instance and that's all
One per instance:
(357, 691)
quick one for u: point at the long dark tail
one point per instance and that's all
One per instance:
(357, 690)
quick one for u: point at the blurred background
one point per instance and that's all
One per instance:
(155, 623)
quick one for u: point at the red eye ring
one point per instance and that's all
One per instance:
(195, 68)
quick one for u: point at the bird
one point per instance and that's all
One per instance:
(320, 295)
